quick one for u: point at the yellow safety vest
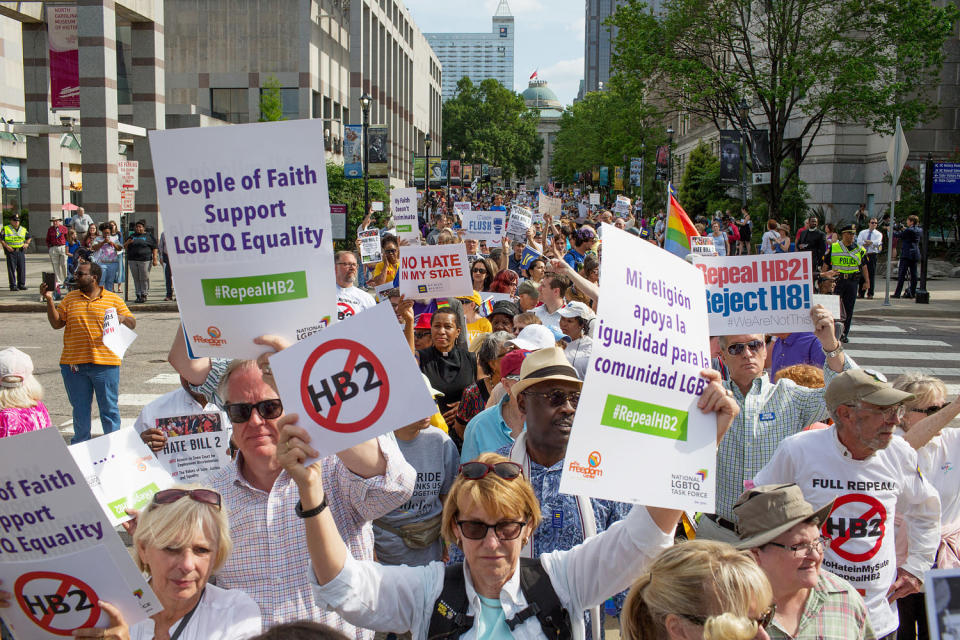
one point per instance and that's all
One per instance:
(845, 260)
(14, 237)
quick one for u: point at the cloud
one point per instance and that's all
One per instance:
(578, 27)
(564, 78)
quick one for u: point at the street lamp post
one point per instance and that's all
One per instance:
(449, 149)
(463, 158)
(643, 164)
(365, 101)
(426, 175)
(744, 109)
(669, 159)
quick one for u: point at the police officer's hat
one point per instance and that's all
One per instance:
(849, 228)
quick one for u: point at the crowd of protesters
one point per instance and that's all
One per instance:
(455, 526)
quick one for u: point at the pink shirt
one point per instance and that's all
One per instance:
(16, 420)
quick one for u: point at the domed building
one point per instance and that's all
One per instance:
(542, 98)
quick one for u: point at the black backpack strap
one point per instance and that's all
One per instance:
(449, 617)
(544, 602)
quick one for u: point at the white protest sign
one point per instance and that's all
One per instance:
(48, 513)
(127, 202)
(53, 599)
(403, 205)
(583, 212)
(702, 246)
(484, 225)
(247, 217)
(643, 383)
(549, 206)
(128, 175)
(122, 472)
(376, 205)
(829, 302)
(758, 294)
(370, 250)
(595, 198)
(435, 271)
(462, 207)
(492, 299)
(197, 446)
(352, 382)
(622, 206)
(517, 224)
(116, 337)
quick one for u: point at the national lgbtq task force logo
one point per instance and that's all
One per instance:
(702, 474)
(214, 337)
(592, 470)
(691, 485)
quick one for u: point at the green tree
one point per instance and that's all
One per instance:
(701, 192)
(271, 103)
(801, 63)
(349, 191)
(492, 124)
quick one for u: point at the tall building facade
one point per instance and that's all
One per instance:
(477, 55)
(598, 42)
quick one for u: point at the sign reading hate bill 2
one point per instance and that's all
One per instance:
(247, 218)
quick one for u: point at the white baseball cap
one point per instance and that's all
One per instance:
(533, 337)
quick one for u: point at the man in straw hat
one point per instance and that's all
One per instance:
(873, 477)
(782, 532)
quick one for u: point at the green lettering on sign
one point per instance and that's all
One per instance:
(275, 287)
(404, 228)
(644, 417)
(137, 501)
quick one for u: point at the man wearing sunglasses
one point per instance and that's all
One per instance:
(769, 412)
(270, 555)
(873, 478)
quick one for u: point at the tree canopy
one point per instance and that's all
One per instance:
(349, 191)
(492, 124)
(701, 192)
(271, 102)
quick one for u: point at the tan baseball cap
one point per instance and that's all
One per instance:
(867, 385)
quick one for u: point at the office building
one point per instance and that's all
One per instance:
(541, 97)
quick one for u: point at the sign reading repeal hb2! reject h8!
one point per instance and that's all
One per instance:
(247, 217)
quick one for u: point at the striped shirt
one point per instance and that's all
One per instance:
(83, 334)
(270, 560)
(834, 611)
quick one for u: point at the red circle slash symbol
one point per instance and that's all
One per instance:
(344, 310)
(371, 378)
(839, 542)
(57, 595)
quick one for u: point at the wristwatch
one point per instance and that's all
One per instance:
(312, 512)
(835, 352)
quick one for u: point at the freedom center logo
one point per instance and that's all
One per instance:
(214, 337)
(592, 470)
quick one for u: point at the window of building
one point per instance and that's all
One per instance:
(230, 105)
(315, 105)
(290, 103)
(327, 111)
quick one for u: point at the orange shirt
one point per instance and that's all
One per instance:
(83, 334)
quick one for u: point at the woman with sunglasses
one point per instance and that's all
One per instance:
(925, 428)
(386, 269)
(699, 589)
(482, 274)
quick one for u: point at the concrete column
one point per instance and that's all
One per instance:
(98, 108)
(149, 110)
(44, 195)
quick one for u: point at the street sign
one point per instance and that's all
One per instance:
(897, 153)
(946, 177)
(338, 220)
(761, 177)
(128, 171)
(126, 202)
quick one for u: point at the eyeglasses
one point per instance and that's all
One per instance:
(241, 411)
(476, 530)
(737, 348)
(896, 412)
(421, 334)
(479, 470)
(557, 398)
(347, 264)
(803, 549)
(763, 621)
(932, 409)
(205, 496)
(480, 270)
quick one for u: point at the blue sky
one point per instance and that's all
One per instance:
(549, 35)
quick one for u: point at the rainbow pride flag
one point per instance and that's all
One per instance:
(679, 227)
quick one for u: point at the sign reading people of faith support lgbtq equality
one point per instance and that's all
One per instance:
(57, 544)
(638, 435)
(435, 271)
(758, 294)
(247, 218)
(356, 381)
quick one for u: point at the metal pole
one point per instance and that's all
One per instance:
(921, 295)
(366, 162)
(643, 163)
(743, 169)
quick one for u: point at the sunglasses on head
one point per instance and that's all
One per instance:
(241, 411)
(931, 410)
(737, 348)
(763, 621)
(479, 470)
(204, 496)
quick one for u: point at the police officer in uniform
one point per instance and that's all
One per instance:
(15, 240)
(848, 260)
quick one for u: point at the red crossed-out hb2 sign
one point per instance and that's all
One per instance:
(851, 536)
(56, 602)
(343, 374)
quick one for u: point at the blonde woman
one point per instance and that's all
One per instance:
(699, 590)
(21, 396)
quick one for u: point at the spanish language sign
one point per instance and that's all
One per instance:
(643, 383)
(50, 528)
(247, 218)
(403, 204)
(484, 226)
(121, 471)
(757, 294)
(356, 381)
(197, 446)
(437, 271)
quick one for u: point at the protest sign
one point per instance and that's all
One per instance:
(247, 218)
(369, 246)
(355, 381)
(462, 207)
(702, 246)
(757, 294)
(517, 224)
(435, 271)
(622, 207)
(121, 471)
(403, 205)
(116, 337)
(643, 383)
(197, 446)
(830, 302)
(376, 205)
(51, 523)
(549, 206)
(490, 299)
(594, 198)
(484, 226)
(583, 212)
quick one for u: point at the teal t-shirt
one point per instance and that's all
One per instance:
(492, 623)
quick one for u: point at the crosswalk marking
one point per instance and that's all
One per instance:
(858, 354)
(939, 372)
(900, 342)
(165, 378)
(136, 399)
(876, 328)
(96, 428)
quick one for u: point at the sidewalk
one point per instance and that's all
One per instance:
(37, 263)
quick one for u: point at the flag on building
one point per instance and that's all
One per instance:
(533, 76)
(679, 227)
